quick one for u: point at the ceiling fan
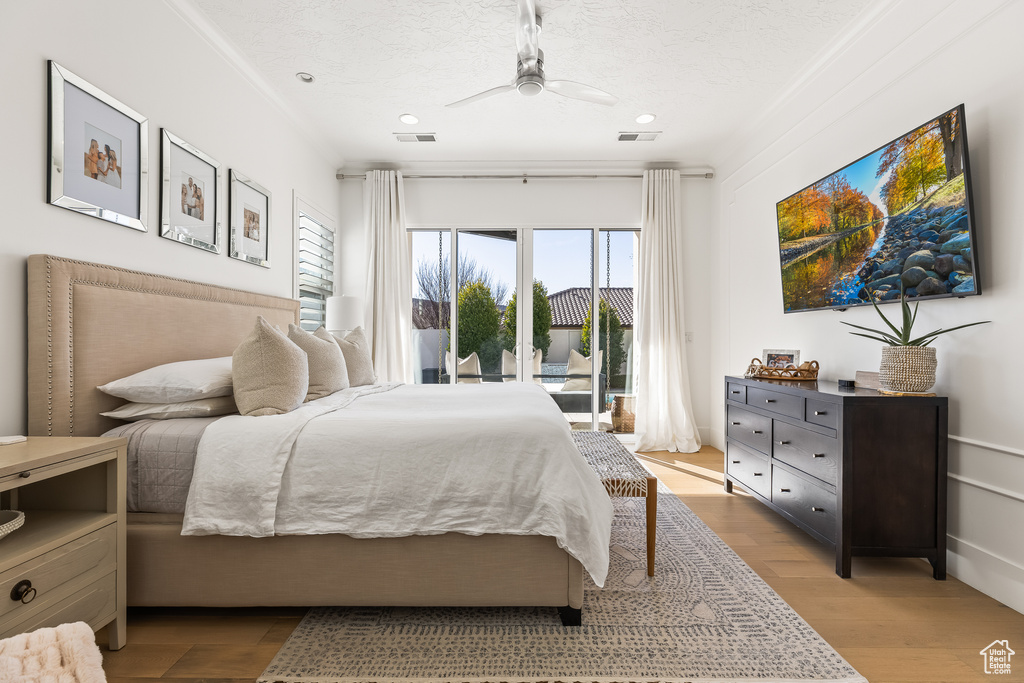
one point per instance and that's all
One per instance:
(530, 78)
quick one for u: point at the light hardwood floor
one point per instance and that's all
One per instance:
(891, 621)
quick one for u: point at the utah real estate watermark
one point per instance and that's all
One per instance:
(997, 657)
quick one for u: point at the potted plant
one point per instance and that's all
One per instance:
(908, 364)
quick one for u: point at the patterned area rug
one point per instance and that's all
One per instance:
(704, 616)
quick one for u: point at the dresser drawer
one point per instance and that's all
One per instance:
(95, 604)
(811, 504)
(751, 429)
(821, 413)
(736, 392)
(51, 572)
(776, 402)
(752, 471)
(807, 451)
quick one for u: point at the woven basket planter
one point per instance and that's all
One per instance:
(907, 368)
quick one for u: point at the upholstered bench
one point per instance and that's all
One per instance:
(622, 476)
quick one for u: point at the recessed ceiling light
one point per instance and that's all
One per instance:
(645, 118)
(408, 118)
(305, 77)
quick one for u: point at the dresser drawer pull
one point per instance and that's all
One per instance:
(769, 400)
(735, 392)
(735, 462)
(820, 412)
(783, 443)
(23, 592)
(783, 490)
(817, 455)
(756, 431)
(758, 474)
(25, 475)
(736, 424)
(814, 509)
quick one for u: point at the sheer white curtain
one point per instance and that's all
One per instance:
(664, 417)
(388, 277)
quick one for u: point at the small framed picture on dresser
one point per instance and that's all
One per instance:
(98, 152)
(191, 191)
(780, 358)
(250, 221)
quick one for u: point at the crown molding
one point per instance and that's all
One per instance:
(219, 41)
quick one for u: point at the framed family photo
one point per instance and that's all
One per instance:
(780, 358)
(250, 221)
(191, 191)
(98, 152)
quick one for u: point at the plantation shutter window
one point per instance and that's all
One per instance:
(316, 271)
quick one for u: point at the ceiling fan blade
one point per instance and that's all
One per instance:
(578, 91)
(486, 93)
(527, 33)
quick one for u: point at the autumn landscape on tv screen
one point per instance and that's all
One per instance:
(897, 216)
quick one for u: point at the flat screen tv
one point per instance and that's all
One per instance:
(900, 214)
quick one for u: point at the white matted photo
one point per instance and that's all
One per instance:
(98, 152)
(190, 197)
(780, 358)
(250, 221)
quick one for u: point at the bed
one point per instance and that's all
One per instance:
(89, 324)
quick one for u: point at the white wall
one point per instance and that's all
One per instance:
(145, 55)
(554, 203)
(917, 61)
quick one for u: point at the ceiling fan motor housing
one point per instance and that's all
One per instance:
(530, 82)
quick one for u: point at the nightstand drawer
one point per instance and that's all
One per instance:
(751, 429)
(776, 402)
(751, 471)
(808, 503)
(807, 451)
(52, 572)
(94, 604)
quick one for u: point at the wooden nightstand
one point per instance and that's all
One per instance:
(67, 562)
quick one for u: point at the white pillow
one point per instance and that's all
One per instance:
(470, 365)
(508, 364)
(580, 365)
(203, 407)
(175, 382)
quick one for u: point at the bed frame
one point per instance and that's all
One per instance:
(89, 324)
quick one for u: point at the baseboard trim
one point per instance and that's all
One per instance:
(994, 575)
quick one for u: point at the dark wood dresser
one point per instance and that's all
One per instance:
(857, 470)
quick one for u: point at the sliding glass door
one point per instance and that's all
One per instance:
(524, 302)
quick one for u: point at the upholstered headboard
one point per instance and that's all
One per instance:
(89, 324)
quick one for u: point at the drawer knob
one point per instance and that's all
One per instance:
(769, 400)
(25, 475)
(735, 424)
(783, 443)
(23, 592)
(820, 412)
(814, 509)
(735, 392)
(817, 455)
(783, 490)
(735, 462)
(757, 431)
(758, 474)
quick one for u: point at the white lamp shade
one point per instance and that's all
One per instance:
(344, 313)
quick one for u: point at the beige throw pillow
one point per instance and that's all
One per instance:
(580, 365)
(470, 365)
(356, 349)
(327, 371)
(269, 371)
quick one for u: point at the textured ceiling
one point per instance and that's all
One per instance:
(705, 67)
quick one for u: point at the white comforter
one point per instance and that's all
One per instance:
(401, 460)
